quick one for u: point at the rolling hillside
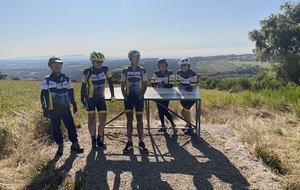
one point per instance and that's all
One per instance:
(37, 69)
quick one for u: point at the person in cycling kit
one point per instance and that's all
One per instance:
(134, 81)
(187, 80)
(92, 96)
(57, 94)
(163, 78)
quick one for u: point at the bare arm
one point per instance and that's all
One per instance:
(123, 90)
(143, 90)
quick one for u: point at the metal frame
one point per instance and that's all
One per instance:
(162, 94)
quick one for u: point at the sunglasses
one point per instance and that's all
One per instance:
(183, 65)
(99, 62)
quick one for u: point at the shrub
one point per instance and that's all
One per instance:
(15, 78)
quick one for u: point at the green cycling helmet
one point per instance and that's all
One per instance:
(97, 56)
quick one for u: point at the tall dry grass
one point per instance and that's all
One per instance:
(271, 134)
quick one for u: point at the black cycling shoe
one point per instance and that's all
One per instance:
(189, 130)
(94, 146)
(100, 144)
(128, 147)
(163, 128)
(60, 150)
(76, 148)
(100, 141)
(142, 147)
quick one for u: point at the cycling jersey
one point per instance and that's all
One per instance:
(93, 81)
(166, 78)
(188, 78)
(134, 79)
(56, 91)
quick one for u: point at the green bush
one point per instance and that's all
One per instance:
(15, 78)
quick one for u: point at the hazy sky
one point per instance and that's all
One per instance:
(157, 28)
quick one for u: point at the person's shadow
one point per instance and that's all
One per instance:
(52, 177)
(212, 163)
(101, 169)
(106, 171)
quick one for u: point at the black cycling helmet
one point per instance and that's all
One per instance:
(54, 59)
(133, 53)
(162, 60)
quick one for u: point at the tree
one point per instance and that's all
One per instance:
(278, 41)
(2, 76)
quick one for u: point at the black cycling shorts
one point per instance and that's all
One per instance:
(98, 103)
(134, 101)
(187, 104)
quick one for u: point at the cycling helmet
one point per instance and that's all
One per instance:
(54, 59)
(162, 60)
(97, 56)
(184, 61)
(133, 53)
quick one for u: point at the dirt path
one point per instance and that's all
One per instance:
(217, 160)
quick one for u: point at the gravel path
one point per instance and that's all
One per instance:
(217, 160)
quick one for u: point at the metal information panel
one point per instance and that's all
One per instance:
(161, 94)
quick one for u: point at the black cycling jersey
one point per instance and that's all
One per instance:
(134, 79)
(166, 78)
(188, 78)
(56, 91)
(93, 82)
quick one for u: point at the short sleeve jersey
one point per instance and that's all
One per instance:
(134, 79)
(188, 78)
(166, 78)
(95, 80)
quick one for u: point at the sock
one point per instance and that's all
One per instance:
(100, 138)
(93, 138)
(141, 140)
(129, 139)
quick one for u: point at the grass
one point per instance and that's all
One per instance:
(206, 65)
(251, 63)
(268, 122)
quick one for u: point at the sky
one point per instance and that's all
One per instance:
(157, 28)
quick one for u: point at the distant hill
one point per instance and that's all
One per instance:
(36, 68)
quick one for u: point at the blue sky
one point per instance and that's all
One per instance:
(157, 28)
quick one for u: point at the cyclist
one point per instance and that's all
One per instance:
(92, 96)
(187, 79)
(163, 78)
(134, 80)
(57, 94)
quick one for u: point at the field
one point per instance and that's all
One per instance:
(250, 63)
(267, 122)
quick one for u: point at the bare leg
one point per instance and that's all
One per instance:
(139, 119)
(186, 115)
(102, 121)
(129, 116)
(92, 124)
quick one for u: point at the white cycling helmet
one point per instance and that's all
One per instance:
(184, 61)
